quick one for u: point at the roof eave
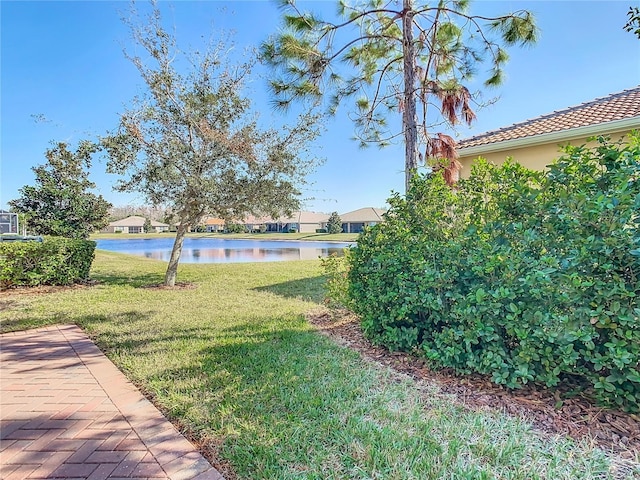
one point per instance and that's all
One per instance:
(586, 131)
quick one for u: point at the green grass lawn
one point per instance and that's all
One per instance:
(235, 364)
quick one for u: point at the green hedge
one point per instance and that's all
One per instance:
(55, 261)
(521, 275)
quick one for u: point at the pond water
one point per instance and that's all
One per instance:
(219, 250)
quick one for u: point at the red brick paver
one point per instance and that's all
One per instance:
(67, 412)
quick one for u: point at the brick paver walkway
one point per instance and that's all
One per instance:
(67, 412)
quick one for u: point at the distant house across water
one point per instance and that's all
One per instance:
(355, 221)
(214, 224)
(300, 221)
(134, 224)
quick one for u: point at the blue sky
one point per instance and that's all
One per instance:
(64, 78)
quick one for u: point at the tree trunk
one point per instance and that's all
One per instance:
(409, 123)
(172, 268)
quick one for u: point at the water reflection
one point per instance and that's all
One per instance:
(214, 250)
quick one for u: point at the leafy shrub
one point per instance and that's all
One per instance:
(521, 275)
(321, 230)
(337, 282)
(55, 261)
(234, 228)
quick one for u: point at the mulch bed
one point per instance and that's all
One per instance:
(575, 417)
(177, 286)
(46, 289)
(43, 289)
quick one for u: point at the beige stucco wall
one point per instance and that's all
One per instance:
(308, 227)
(535, 157)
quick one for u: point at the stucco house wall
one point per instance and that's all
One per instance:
(533, 156)
(536, 143)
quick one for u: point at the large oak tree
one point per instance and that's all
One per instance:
(191, 142)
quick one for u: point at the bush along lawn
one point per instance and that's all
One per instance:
(53, 261)
(522, 276)
(232, 361)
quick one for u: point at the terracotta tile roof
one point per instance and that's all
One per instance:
(214, 221)
(618, 106)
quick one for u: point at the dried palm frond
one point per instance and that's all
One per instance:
(451, 173)
(455, 104)
(441, 146)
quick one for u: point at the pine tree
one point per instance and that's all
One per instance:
(334, 224)
(407, 58)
